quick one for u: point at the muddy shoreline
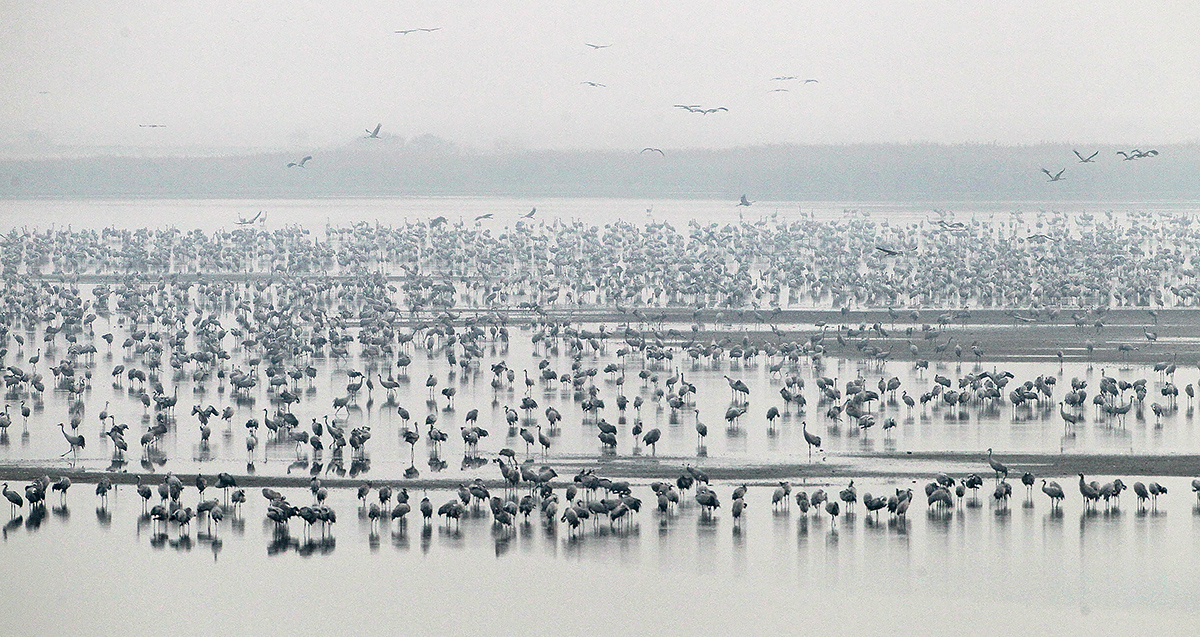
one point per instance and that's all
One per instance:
(898, 466)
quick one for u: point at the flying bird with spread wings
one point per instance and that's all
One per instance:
(745, 202)
(1055, 176)
(529, 215)
(407, 31)
(1090, 159)
(300, 164)
(1137, 154)
(597, 46)
(888, 251)
(696, 108)
(374, 134)
(595, 84)
(652, 150)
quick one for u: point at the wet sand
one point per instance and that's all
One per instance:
(900, 466)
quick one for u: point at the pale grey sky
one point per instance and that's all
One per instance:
(306, 75)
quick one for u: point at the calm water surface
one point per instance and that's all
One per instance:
(1020, 570)
(1025, 569)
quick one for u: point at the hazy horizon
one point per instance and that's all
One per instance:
(240, 77)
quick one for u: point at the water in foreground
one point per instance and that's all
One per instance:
(1024, 569)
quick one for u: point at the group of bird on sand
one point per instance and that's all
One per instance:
(259, 330)
(588, 496)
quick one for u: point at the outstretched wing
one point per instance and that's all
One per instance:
(1092, 156)
(1060, 173)
(305, 160)
(1048, 173)
(375, 133)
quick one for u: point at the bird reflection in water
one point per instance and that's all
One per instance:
(359, 466)
(400, 539)
(104, 517)
(502, 543)
(13, 525)
(282, 542)
(426, 538)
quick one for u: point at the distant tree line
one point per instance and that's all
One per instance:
(431, 167)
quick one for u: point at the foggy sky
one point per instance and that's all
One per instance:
(509, 75)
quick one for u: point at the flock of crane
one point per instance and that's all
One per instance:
(272, 334)
(586, 498)
(1032, 260)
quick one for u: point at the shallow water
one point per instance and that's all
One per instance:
(214, 214)
(1022, 569)
(748, 440)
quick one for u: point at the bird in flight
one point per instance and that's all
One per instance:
(653, 150)
(484, 216)
(299, 164)
(778, 90)
(598, 46)
(1053, 176)
(696, 108)
(246, 222)
(1137, 154)
(783, 78)
(374, 134)
(407, 31)
(745, 202)
(529, 215)
(152, 125)
(596, 84)
(1090, 159)
(811, 81)
(888, 251)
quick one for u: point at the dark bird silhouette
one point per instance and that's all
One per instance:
(745, 201)
(246, 222)
(888, 251)
(597, 46)
(1053, 176)
(529, 215)
(1090, 159)
(595, 84)
(374, 134)
(428, 30)
(653, 150)
(299, 164)
(484, 216)
(810, 81)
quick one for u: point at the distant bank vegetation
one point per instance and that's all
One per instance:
(431, 167)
